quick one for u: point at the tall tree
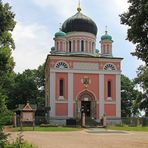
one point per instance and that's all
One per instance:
(7, 25)
(129, 96)
(136, 18)
(142, 80)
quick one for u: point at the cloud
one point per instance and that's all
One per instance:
(32, 46)
(64, 8)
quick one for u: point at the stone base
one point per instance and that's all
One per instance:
(113, 121)
(58, 121)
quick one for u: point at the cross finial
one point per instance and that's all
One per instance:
(60, 26)
(79, 7)
(106, 30)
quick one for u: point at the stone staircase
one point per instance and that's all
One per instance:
(89, 122)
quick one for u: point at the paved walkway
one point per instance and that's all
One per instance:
(89, 138)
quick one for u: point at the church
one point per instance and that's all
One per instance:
(78, 75)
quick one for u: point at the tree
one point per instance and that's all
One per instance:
(136, 18)
(129, 95)
(142, 81)
(28, 86)
(7, 25)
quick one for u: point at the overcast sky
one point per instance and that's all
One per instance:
(38, 21)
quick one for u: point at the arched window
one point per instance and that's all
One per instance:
(61, 86)
(109, 89)
(57, 46)
(69, 46)
(108, 49)
(61, 46)
(104, 48)
(82, 45)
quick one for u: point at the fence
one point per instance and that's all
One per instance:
(135, 121)
(132, 121)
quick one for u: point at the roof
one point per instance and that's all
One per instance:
(79, 22)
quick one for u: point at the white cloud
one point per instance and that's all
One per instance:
(120, 5)
(63, 7)
(32, 46)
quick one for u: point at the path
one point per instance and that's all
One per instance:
(87, 139)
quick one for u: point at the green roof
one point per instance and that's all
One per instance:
(53, 48)
(97, 50)
(60, 34)
(106, 36)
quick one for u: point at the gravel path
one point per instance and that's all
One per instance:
(83, 139)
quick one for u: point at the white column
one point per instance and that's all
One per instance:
(80, 45)
(101, 92)
(71, 45)
(70, 95)
(118, 96)
(52, 94)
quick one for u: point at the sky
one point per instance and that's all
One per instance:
(38, 21)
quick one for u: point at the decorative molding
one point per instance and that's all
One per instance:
(109, 99)
(61, 98)
(86, 71)
(86, 81)
(86, 66)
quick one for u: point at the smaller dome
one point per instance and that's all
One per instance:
(97, 50)
(106, 37)
(60, 34)
(52, 49)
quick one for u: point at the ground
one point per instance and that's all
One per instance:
(88, 138)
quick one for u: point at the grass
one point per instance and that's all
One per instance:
(128, 128)
(46, 129)
(24, 145)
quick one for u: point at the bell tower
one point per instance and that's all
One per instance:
(106, 44)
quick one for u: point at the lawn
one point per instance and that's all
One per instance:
(46, 129)
(128, 128)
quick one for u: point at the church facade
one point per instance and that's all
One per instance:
(78, 76)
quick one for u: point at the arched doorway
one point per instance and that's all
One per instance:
(86, 101)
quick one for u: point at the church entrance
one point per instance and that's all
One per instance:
(86, 103)
(86, 106)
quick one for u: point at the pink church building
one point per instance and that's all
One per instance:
(80, 76)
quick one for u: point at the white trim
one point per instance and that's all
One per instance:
(61, 98)
(101, 93)
(83, 91)
(95, 59)
(86, 71)
(52, 94)
(118, 96)
(70, 95)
